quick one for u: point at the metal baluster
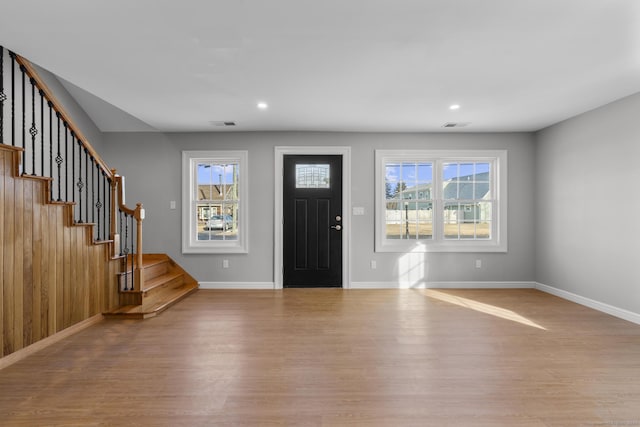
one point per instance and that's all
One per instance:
(123, 251)
(51, 143)
(86, 181)
(95, 198)
(42, 133)
(126, 247)
(3, 96)
(73, 167)
(33, 131)
(99, 202)
(80, 183)
(13, 98)
(59, 158)
(105, 204)
(133, 252)
(66, 164)
(24, 132)
(108, 209)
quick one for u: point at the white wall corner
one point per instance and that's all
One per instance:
(588, 302)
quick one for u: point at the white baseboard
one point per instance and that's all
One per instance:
(596, 305)
(237, 285)
(443, 285)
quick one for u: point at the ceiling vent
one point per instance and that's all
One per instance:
(222, 123)
(456, 124)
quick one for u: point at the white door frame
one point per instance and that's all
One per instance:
(280, 152)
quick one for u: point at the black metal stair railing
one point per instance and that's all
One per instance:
(127, 249)
(53, 147)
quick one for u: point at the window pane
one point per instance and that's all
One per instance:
(393, 220)
(469, 183)
(313, 176)
(425, 173)
(217, 221)
(425, 180)
(481, 191)
(408, 174)
(465, 171)
(482, 172)
(483, 220)
(451, 216)
(424, 220)
(450, 190)
(467, 220)
(466, 181)
(217, 181)
(409, 220)
(409, 193)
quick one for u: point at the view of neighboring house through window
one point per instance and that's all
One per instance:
(409, 203)
(466, 189)
(436, 200)
(217, 200)
(214, 192)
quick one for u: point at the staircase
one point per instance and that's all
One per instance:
(70, 248)
(165, 283)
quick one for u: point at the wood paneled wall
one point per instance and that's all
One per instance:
(52, 275)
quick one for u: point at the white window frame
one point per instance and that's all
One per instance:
(190, 245)
(498, 240)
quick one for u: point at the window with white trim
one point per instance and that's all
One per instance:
(441, 201)
(214, 201)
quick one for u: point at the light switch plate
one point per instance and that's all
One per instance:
(358, 210)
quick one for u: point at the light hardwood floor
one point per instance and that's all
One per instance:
(339, 358)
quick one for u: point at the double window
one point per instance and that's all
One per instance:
(214, 201)
(436, 200)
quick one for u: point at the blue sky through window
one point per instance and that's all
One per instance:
(216, 174)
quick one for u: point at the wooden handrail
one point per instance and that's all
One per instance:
(57, 106)
(116, 181)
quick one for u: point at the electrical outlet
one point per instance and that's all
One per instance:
(225, 263)
(172, 204)
(478, 263)
(374, 264)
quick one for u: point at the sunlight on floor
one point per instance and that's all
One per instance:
(481, 307)
(412, 268)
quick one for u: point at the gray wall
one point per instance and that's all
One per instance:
(587, 205)
(151, 163)
(75, 112)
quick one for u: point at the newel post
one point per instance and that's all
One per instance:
(139, 272)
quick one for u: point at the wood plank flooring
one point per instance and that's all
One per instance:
(331, 357)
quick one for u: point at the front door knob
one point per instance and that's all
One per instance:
(337, 227)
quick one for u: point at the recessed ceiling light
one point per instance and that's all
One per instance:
(454, 107)
(263, 105)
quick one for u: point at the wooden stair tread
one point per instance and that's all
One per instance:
(146, 262)
(151, 308)
(161, 280)
(151, 261)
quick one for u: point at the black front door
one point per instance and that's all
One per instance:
(312, 241)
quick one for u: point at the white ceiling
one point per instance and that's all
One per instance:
(338, 65)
